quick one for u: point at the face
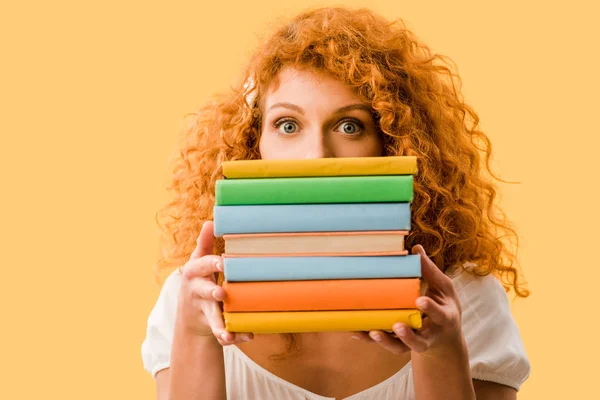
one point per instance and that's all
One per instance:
(310, 115)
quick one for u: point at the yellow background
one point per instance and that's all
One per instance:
(92, 96)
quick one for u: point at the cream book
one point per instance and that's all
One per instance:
(317, 243)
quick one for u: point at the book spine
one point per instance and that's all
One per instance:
(317, 243)
(253, 269)
(348, 166)
(359, 294)
(371, 189)
(311, 218)
(320, 321)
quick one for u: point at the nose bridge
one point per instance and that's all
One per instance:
(318, 145)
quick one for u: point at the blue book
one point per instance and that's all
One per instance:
(251, 269)
(311, 218)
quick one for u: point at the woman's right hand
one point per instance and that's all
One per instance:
(198, 305)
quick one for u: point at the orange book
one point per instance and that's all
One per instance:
(347, 294)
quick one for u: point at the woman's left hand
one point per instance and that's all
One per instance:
(441, 329)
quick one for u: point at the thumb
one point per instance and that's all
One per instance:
(431, 273)
(205, 242)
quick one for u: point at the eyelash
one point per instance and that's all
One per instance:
(279, 122)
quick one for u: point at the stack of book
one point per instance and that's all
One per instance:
(317, 244)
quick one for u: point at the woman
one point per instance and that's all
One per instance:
(336, 82)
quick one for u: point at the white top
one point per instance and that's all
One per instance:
(496, 352)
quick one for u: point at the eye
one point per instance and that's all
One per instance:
(351, 127)
(289, 126)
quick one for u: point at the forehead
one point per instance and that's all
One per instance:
(305, 85)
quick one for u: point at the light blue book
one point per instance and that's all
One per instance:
(311, 218)
(248, 269)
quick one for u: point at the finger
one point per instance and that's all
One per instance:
(207, 290)
(425, 324)
(410, 338)
(229, 338)
(360, 335)
(205, 242)
(393, 345)
(204, 267)
(214, 317)
(432, 274)
(437, 313)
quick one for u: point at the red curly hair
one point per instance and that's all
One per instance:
(418, 109)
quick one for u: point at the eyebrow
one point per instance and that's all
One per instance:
(357, 106)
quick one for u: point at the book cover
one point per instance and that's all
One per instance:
(311, 218)
(293, 268)
(348, 166)
(323, 295)
(320, 321)
(344, 189)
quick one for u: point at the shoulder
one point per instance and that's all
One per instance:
(172, 284)
(496, 351)
(156, 347)
(482, 291)
(166, 304)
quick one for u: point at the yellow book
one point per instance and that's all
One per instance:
(346, 166)
(320, 321)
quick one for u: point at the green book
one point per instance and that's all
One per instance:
(315, 190)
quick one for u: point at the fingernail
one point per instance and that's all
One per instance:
(224, 337)
(219, 266)
(401, 330)
(421, 303)
(375, 336)
(216, 295)
(355, 337)
(246, 338)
